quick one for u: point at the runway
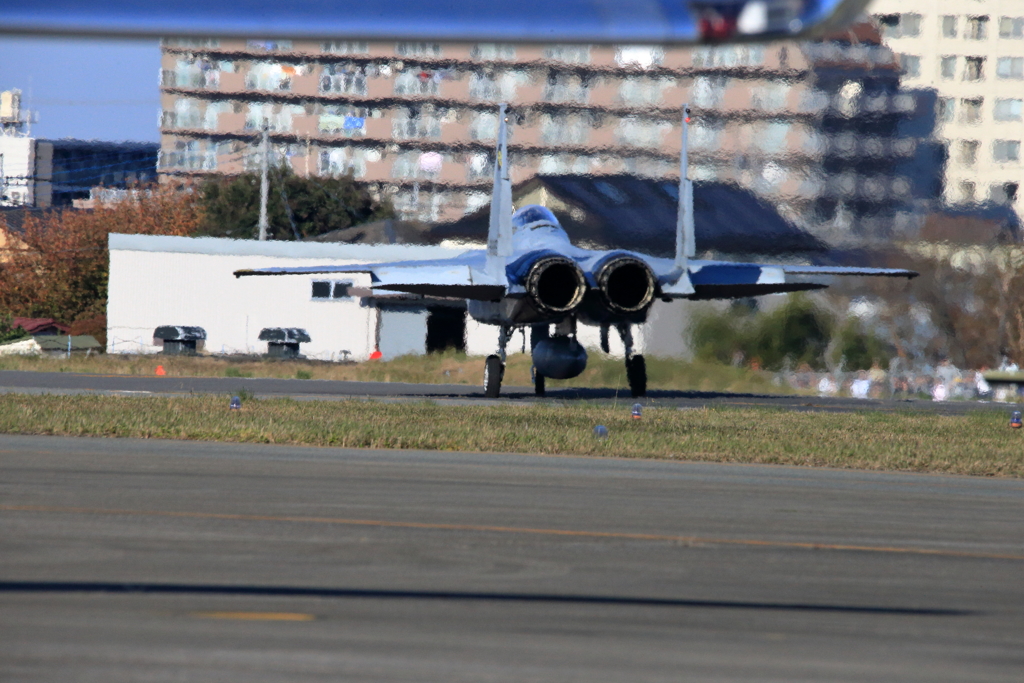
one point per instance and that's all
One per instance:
(12, 381)
(128, 560)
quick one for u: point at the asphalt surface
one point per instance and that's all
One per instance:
(130, 560)
(13, 381)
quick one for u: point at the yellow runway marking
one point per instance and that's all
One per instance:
(256, 616)
(575, 533)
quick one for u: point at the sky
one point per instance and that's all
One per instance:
(89, 89)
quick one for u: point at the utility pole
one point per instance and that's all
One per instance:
(264, 183)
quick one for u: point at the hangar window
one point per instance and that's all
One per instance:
(321, 289)
(325, 290)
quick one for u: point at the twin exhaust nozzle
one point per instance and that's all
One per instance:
(556, 284)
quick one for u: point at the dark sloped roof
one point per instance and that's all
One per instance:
(385, 231)
(629, 212)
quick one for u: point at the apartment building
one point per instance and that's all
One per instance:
(972, 54)
(816, 128)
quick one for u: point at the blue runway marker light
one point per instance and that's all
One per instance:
(638, 411)
(601, 432)
(1015, 420)
(236, 403)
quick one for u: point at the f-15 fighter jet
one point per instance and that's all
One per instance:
(530, 274)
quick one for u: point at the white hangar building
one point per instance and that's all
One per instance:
(188, 281)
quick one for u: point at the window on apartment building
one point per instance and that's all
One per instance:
(910, 25)
(705, 134)
(276, 118)
(496, 86)
(563, 129)
(731, 56)
(900, 25)
(201, 43)
(968, 152)
(565, 87)
(974, 68)
(1008, 109)
(771, 137)
(570, 54)
(416, 122)
(708, 91)
(339, 161)
(641, 91)
(1010, 191)
(211, 117)
(970, 110)
(944, 109)
(911, 65)
(1010, 67)
(190, 72)
(947, 67)
(968, 191)
(484, 86)
(269, 45)
(977, 28)
(484, 126)
(346, 78)
(643, 56)
(480, 166)
(1011, 27)
(345, 47)
(418, 82)
(770, 97)
(493, 52)
(949, 26)
(1005, 151)
(414, 49)
(186, 114)
(343, 120)
(270, 76)
(636, 132)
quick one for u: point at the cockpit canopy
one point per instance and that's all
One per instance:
(532, 217)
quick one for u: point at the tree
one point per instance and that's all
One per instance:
(60, 270)
(297, 207)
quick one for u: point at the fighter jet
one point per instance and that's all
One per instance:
(531, 275)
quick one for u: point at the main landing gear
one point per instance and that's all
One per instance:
(538, 333)
(636, 366)
(494, 366)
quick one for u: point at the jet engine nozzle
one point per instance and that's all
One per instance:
(626, 283)
(555, 284)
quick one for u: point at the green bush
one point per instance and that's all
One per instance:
(10, 333)
(794, 334)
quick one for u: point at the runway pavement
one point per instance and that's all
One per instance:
(129, 560)
(12, 381)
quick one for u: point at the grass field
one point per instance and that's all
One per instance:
(440, 368)
(980, 443)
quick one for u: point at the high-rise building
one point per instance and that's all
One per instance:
(972, 55)
(817, 128)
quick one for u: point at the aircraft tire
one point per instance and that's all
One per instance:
(636, 374)
(493, 371)
(538, 383)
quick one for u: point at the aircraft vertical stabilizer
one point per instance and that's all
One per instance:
(499, 231)
(685, 239)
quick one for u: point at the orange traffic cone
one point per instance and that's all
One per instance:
(160, 371)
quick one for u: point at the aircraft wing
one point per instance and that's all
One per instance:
(587, 21)
(457, 278)
(725, 280)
